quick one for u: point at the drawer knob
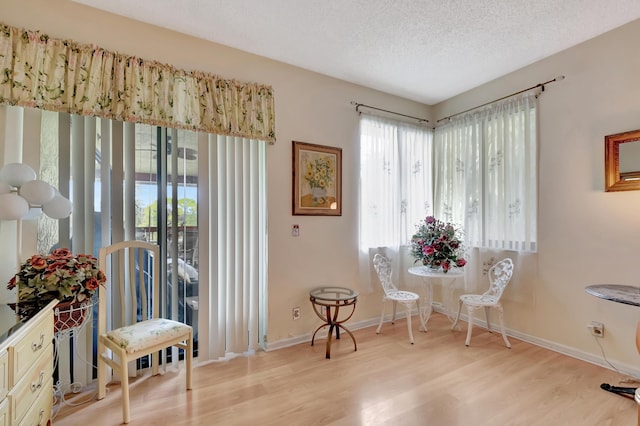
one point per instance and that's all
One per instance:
(38, 346)
(40, 417)
(36, 386)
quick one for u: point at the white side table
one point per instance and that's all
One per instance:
(446, 280)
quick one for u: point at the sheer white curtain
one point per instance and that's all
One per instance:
(458, 172)
(395, 186)
(486, 174)
(486, 181)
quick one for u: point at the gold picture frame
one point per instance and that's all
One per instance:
(622, 161)
(317, 180)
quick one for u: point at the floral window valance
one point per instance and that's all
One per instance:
(62, 75)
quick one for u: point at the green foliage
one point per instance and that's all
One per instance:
(187, 213)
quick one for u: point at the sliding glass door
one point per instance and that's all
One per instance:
(202, 197)
(166, 212)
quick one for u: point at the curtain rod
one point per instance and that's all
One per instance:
(358, 105)
(558, 78)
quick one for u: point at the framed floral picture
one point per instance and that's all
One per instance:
(317, 180)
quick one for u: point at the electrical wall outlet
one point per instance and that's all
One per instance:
(597, 328)
(296, 313)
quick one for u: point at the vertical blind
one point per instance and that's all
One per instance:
(94, 159)
(235, 265)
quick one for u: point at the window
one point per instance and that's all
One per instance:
(486, 174)
(395, 180)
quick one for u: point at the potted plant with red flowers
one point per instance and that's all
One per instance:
(71, 279)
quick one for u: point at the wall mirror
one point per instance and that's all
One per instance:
(622, 161)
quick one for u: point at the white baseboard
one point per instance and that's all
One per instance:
(623, 368)
(306, 338)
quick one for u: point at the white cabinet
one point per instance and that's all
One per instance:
(4, 413)
(26, 369)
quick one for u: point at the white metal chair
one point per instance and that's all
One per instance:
(383, 267)
(132, 268)
(499, 276)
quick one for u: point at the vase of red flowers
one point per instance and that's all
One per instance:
(437, 245)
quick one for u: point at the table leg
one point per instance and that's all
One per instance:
(448, 287)
(334, 319)
(328, 351)
(423, 323)
(322, 313)
(355, 346)
(313, 338)
(426, 309)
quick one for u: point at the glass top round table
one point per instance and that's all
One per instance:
(333, 294)
(326, 302)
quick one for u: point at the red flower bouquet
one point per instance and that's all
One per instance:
(437, 244)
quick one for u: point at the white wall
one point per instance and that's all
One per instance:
(309, 108)
(586, 236)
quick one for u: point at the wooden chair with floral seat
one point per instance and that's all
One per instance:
(132, 270)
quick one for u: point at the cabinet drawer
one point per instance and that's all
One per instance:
(4, 413)
(25, 352)
(40, 413)
(4, 374)
(31, 386)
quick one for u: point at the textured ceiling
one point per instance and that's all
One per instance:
(424, 50)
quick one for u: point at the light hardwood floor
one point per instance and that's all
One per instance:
(438, 381)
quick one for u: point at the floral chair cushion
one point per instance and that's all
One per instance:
(147, 333)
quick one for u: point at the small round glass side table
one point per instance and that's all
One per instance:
(326, 302)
